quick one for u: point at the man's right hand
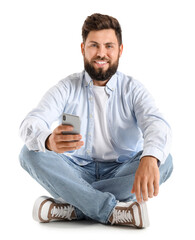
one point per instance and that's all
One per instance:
(61, 143)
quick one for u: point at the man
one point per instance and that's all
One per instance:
(109, 170)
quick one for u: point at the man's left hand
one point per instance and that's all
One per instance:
(146, 183)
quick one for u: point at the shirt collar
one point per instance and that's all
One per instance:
(111, 84)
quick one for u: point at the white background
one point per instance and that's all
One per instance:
(40, 45)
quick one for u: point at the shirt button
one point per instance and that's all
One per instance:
(91, 116)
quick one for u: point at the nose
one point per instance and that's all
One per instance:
(101, 52)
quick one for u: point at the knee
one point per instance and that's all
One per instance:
(25, 157)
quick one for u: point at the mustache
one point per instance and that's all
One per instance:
(101, 59)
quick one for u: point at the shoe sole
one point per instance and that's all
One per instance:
(37, 208)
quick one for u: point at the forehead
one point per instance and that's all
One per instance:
(102, 36)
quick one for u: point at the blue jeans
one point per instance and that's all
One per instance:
(93, 189)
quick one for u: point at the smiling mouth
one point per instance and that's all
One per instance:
(100, 63)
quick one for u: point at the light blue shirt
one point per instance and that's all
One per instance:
(134, 122)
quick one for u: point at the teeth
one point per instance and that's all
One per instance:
(101, 62)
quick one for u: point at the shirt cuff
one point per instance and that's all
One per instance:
(155, 152)
(41, 140)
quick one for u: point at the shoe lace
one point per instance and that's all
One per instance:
(121, 216)
(62, 212)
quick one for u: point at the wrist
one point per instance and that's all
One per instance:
(47, 143)
(150, 158)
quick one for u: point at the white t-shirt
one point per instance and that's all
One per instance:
(102, 149)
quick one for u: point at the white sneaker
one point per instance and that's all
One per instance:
(47, 209)
(130, 214)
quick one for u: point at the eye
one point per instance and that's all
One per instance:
(109, 46)
(93, 45)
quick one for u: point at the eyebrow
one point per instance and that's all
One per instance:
(104, 43)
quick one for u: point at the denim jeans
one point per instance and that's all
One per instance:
(93, 189)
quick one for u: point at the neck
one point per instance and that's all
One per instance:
(100, 83)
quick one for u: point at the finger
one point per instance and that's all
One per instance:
(137, 191)
(133, 190)
(67, 138)
(70, 144)
(150, 189)
(156, 188)
(63, 128)
(144, 190)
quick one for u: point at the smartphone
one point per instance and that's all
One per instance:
(68, 119)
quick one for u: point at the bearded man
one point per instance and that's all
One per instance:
(119, 158)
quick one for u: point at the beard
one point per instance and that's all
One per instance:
(100, 74)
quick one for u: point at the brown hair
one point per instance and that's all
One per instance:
(97, 22)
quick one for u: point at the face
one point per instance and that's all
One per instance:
(101, 52)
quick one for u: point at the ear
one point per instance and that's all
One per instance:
(120, 50)
(82, 48)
